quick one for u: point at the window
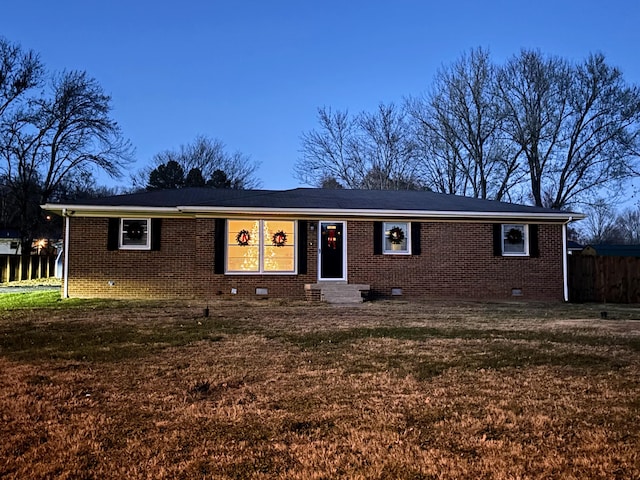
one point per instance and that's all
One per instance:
(515, 239)
(397, 238)
(261, 246)
(134, 234)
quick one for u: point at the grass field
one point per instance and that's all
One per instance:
(147, 390)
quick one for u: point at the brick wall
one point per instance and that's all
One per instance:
(456, 261)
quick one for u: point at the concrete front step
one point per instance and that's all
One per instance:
(338, 292)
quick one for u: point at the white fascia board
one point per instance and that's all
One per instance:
(104, 210)
(368, 213)
(190, 211)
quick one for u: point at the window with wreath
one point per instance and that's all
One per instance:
(397, 238)
(261, 246)
(515, 239)
(134, 234)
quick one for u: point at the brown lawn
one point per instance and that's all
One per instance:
(283, 390)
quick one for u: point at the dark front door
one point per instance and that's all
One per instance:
(332, 251)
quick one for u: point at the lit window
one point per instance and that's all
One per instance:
(397, 236)
(134, 234)
(515, 239)
(261, 246)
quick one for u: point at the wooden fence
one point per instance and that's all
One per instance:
(604, 279)
(40, 266)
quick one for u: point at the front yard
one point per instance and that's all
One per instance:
(148, 390)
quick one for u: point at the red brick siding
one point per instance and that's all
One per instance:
(457, 261)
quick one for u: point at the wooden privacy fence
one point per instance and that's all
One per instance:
(604, 279)
(40, 266)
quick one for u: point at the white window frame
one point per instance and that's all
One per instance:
(406, 227)
(525, 239)
(123, 246)
(261, 247)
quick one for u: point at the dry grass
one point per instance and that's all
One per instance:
(276, 390)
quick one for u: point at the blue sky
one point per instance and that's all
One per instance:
(253, 73)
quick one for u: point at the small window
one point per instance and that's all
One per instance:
(396, 238)
(515, 240)
(134, 234)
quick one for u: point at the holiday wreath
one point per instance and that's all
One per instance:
(279, 238)
(134, 230)
(396, 235)
(243, 238)
(514, 235)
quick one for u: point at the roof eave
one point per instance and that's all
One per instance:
(104, 210)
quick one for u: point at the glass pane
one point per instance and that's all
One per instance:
(279, 246)
(243, 252)
(279, 259)
(243, 232)
(134, 232)
(243, 258)
(513, 238)
(395, 237)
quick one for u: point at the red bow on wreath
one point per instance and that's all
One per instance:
(331, 239)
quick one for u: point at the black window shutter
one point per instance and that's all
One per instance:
(156, 227)
(113, 233)
(497, 239)
(377, 238)
(415, 238)
(534, 248)
(218, 245)
(302, 247)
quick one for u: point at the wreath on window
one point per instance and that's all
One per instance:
(279, 238)
(396, 235)
(243, 238)
(134, 230)
(514, 235)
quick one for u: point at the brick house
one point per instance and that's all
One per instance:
(311, 243)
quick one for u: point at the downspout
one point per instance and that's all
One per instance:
(565, 260)
(65, 267)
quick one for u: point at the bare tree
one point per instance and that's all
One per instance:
(458, 126)
(628, 225)
(600, 225)
(208, 157)
(51, 137)
(577, 126)
(20, 71)
(370, 151)
(329, 151)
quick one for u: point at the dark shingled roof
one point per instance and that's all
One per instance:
(310, 198)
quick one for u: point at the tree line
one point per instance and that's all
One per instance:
(537, 129)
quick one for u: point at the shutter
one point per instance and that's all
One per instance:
(302, 247)
(377, 238)
(113, 233)
(156, 227)
(497, 239)
(415, 238)
(219, 245)
(534, 248)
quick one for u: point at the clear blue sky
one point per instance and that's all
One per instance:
(253, 73)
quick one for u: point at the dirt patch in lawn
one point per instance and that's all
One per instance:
(288, 390)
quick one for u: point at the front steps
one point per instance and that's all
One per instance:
(337, 293)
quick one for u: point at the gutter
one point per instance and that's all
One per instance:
(565, 259)
(65, 268)
(101, 211)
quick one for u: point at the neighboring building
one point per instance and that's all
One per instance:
(10, 242)
(207, 243)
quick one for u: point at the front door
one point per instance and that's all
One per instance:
(331, 251)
